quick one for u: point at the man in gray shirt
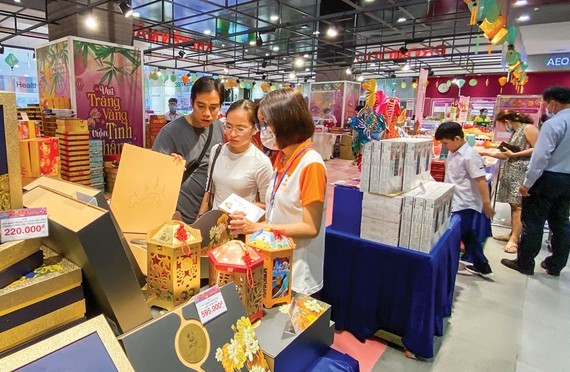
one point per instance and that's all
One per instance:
(191, 138)
(546, 190)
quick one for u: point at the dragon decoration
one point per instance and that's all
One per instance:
(485, 14)
(381, 118)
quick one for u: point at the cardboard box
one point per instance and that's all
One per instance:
(385, 232)
(407, 217)
(434, 206)
(88, 236)
(72, 190)
(145, 194)
(382, 207)
(391, 167)
(417, 162)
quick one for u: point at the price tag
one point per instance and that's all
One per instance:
(18, 224)
(210, 304)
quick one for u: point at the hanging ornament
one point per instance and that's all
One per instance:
(491, 28)
(477, 43)
(502, 81)
(11, 61)
(164, 77)
(460, 83)
(448, 83)
(173, 78)
(404, 85)
(427, 83)
(487, 82)
(247, 85)
(273, 87)
(472, 5)
(491, 11)
(185, 78)
(473, 82)
(414, 83)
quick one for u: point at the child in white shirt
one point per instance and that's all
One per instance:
(465, 168)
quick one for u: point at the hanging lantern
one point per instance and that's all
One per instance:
(238, 263)
(512, 56)
(185, 78)
(173, 78)
(154, 76)
(277, 252)
(491, 11)
(491, 28)
(403, 85)
(11, 61)
(473, 82)
(472, 5)
(173, 256)
(273, 87)
(164, 77)
(502, 82)
(500, 37)
(460, 83)
(248, 86)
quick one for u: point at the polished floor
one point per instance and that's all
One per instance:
(513, 323)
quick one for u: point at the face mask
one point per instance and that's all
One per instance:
(268, 139)
(549, 113)
(172, 108)
(509, 127)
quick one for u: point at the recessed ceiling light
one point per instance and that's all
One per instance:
(299, 62)
(226, 70)
(332, 32)
(252, 43)
(523, 18)
(274, 17)
(368, 1)
(275, 48)
(303, 27)
(307, 69)
(18, 1)
(26, 75)
(207, 32)
(535, 9)
(401, 19)
(348, 71)
(406, 67)
(316, 33)
(246, 50)
(360, 78)
(91, 22)
(223, 45)
(292, 75)
(520, 3)
(284, 58)
(267, 54)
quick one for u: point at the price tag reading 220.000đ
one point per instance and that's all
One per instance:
(20, 224)
(210, 304)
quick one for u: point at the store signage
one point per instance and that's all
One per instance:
(143, 32)
(558, 61)
(413, 51)
(210, 304)
(18, 224)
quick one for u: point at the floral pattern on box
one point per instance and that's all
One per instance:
(304, 311)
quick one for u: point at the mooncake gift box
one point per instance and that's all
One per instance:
(173, 272)
(14, 251)
(22, 267)
(40, 157)
(277, 252)
(28, 129)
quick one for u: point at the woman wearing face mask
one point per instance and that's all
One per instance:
(295, 201)
(237, 167)
(524, 136)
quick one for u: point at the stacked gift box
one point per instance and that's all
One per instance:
(17, 258)
(39, 156)
(34, 112)
(111, 169)
(438, 170)
(74, 140)
(97, 165)
(155, 125)
(41, 301)
(400, 206)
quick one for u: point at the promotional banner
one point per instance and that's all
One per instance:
(108, 88)
(53, 71)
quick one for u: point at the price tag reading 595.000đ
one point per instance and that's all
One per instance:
(210, 304)
(23, 224)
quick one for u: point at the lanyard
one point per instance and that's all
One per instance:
(276, 184)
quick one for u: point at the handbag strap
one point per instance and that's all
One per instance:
(198, 161)
(210, 181)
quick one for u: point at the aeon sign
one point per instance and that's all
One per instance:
(558, 61)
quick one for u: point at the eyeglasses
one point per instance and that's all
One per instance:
(238, 129)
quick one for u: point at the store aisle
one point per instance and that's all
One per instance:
(516, 323)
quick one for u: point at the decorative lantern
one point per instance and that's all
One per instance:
(173, 257)
(277, 252)
(238, 263)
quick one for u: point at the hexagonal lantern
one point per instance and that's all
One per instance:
(238, 263)
(173, 257)
(277, 252)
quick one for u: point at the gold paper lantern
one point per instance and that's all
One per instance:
(491, 29)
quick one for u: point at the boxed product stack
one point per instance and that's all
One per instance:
(18, 258)
(381, 217)
(49, 124)
(387, 167)
(155, 125)
(39, 156)
(97, 165)
(34, 113)
(44, 300)
(74, 138)
(111, 169)
(438, 170)
(417, 161)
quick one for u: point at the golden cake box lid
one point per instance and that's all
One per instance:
(174, 234)
(235, 256)
(271, 240)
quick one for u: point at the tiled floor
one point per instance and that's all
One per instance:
(514, 323)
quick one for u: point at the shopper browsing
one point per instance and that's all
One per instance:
(482, 120)
(546, 190)
(466, 170)
(295, 201)
(237, 167)
(172, 112)
(190, 138)
(516, 157)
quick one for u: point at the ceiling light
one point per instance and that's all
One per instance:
(207, 32)
(223, 45)
(284, 58)
(275, 48)
(246, 50)
(91, 22)
(136, 14)
(252, 43)
(159, 72)
(267, 54)
(520, 3)
(348, 71)
(181, 53)
(299, 62)
(332, 32)
(16, 66)
(258, 40)
(316, 32)
(406, 67)
(303, 27)
(306, 56)
(18, 1)
(226, 70)
(360, 78)
(307, 69)
(292, 75)
(126, 9)
(368, 1)
(274, 18)
(535, 9)
(401, 19)
(26, 75)
(523, 18)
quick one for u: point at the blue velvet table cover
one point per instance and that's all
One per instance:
(372, 286)
(335, 361)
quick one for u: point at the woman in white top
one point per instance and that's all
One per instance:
(296, 197)
(238, 167)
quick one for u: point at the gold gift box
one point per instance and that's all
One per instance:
(15, 251)
(173, 270)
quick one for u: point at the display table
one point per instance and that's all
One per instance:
(372, 286)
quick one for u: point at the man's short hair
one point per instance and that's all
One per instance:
(449, 130)
(173, 100)
(206, 84)
(558, 94)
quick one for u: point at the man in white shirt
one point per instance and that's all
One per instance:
(546, 190)
(172, 112)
